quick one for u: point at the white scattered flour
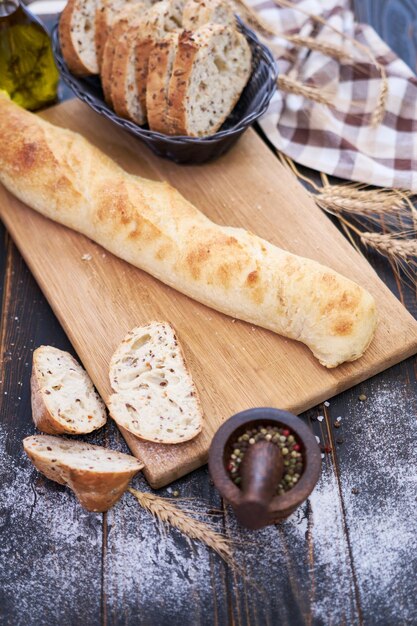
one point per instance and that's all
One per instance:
(306, 561)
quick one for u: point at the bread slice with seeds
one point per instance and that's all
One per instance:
(211, 69)
(76, 36)
(161, 61)
(96, 475)
(115, 44)
(63, 397)
(131, 58)
(197, 13)
(155, 397)
(108, 13)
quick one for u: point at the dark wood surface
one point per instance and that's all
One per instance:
(347, 556)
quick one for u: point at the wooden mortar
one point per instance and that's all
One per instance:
(255, 504)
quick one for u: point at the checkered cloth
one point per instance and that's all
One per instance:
(341, 141)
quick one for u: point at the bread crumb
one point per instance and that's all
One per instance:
(320, 418)
(86, 257)
(326, 403)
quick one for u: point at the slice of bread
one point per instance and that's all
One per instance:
(63, 397)
(131, 58)
(197, 13)
(96, 475)
(107, 13)
(155, 397)
(161, 62)
(211, 69)
(76, 36)
(115, 45)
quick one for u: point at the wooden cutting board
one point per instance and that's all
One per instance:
(235, 365)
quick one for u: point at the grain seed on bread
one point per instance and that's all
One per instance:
(96, 475)
(211, 69)
(155, 397)
(63, 397)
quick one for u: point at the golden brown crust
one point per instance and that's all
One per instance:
(179, 83)
(156, 87)
(116, 83)
(152, 226)
(97, 491)
(101, 32)
(69, 52)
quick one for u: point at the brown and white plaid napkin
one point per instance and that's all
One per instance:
(341, 140)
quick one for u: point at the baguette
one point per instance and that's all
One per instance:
(76, 36)
(211, 69)
(151, 225)
(63, 397)
(97, 476)
(155, 397)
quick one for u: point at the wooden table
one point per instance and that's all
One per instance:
(347, 556)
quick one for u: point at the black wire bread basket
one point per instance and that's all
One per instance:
(252, 104)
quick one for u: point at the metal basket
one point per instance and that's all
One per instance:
(252, 104)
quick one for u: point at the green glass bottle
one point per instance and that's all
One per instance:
(27, 68)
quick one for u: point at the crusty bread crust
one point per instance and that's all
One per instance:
(178, 86)
(151, 225)
(69, 52)
(42, 418)
(97, 491)
(159, 73)
(101, 32)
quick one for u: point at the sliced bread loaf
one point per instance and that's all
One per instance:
(96, 475)
(161, 61)
(76, 36)
(115, 45)
(107, 13)
(197, 13)
(131, 58)
(63, 397)
(211, 69)
(155, 397)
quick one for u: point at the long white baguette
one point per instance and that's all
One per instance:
(151, 225)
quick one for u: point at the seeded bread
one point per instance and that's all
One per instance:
(76, 36)
(63, 397)
(107, 12)
(161, 61)
(211, 69)
(197, 13)
(131, 57)
(155, 397)
(96, 475)
(115, 45)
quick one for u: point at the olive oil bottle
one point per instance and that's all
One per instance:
(27, 68)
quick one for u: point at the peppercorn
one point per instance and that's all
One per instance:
(284, 439)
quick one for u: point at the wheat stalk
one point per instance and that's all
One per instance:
(290, 85)
(253, 19)
(167, 513)
(360, 202)
(328, 49)
(380, 108)
(391, 245)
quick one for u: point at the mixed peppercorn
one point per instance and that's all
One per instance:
(288, 444)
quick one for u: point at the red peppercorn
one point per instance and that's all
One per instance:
(286, 433)
(297, 447)
(230, 467)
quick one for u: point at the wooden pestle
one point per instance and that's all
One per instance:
(262, 469)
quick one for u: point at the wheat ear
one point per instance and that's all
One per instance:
(380, 107)
(168, 513)
(290, 85)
